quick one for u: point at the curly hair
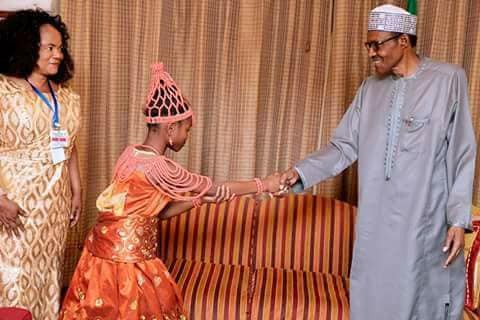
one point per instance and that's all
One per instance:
(20, 43)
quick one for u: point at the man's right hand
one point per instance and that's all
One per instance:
(289, 177)
(9, 214)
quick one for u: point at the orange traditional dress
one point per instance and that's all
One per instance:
(31, 264)
(118, 275)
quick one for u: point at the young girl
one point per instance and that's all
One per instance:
(118, 275)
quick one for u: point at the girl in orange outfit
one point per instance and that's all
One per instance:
(118, 275)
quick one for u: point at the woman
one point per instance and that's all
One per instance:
(40, 194)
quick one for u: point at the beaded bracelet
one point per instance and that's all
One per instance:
(260, 185)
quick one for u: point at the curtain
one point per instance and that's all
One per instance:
(269, 80)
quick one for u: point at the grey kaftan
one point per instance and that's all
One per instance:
(415, 145)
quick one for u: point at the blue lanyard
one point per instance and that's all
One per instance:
(56, 117)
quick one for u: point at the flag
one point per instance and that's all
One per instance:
(412, 6)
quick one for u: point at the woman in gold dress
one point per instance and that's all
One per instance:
(40, 194)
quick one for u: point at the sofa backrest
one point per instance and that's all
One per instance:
(296, 232)
(212, 233)
(305, 232)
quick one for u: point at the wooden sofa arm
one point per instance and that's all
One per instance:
(472, 263)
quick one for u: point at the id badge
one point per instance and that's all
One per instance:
(58, 143)
(58, 138)
(58, 155)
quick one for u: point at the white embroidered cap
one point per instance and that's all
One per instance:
(391, 18)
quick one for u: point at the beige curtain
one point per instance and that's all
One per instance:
(269, 80)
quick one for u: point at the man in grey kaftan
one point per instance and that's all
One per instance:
(413, 138)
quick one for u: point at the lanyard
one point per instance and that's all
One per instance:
(56, 117)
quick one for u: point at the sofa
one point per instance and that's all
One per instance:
(13, 313)
(280, 258)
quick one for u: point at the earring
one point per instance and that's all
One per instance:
(170, 142)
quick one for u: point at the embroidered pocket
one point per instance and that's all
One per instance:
(413, 124)
(413, 134)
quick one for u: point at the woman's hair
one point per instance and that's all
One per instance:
(20, 43)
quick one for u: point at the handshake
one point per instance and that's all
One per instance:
(275, 184)
(278, 184)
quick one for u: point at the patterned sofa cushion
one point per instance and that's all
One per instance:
(283, 294)
(212, 291)
(305, 233)
(212, 233)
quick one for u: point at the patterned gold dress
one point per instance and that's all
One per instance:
(31, 264)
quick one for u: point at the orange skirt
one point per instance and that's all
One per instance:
(105, 289)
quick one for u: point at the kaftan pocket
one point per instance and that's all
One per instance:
(414, 135)
(447, 311)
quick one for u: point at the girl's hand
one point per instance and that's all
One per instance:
(224, 193)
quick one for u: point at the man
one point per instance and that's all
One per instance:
(410, 129)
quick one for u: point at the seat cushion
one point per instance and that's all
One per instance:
(282, 294)
(212, 291)
(14, 314)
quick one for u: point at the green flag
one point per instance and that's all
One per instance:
(412, 6)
